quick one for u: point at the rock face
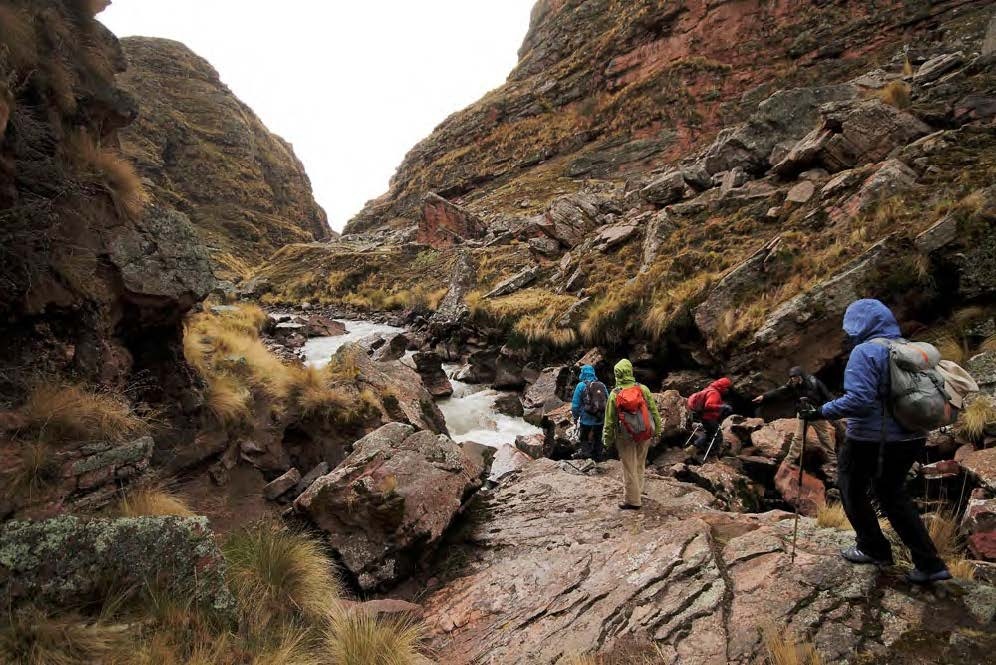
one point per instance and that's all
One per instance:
(557, 570)
(210, 157)
(63, 562)
(123, 274)
(389, 502)
(444, 224)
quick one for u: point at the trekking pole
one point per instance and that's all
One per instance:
(798, 494)
(695, 431)
(712, 442)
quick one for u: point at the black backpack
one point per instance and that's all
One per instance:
(594, 398)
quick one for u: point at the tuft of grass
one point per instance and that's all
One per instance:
(942, 526)
(20, 43)
(227, 400)
(108, 168)
(278, 574)
(989, 344)
(962, 569)
(153, 502)
(358, 638)
(951, 349)
(895, 93)
(32, 637)
(832, 516)
(36, 469)
(782, 648)
(59, 413)
(976, 417)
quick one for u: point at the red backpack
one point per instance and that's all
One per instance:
(634, 416)
(696, 403)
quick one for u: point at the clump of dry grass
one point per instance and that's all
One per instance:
(832, 516)
(976, 418)
(66, 413)
(18, 39)
(942, 526)
(783, 648)
(35, 470)
(279, 574)
(895, 93)
(32, 637)
(153, 502)
(227, 400)
(358, 638)
(108, 168)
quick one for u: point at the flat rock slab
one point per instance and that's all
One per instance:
(557, 570)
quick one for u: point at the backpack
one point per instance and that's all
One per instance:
(696, 403)
(634, 416)
(925, 392)
(594, 397)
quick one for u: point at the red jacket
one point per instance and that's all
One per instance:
(713, 410)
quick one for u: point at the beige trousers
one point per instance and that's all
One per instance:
(633, 456)
(821, 437)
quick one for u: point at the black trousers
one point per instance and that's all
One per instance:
(706, 434)
(591, 442)
(857, 466)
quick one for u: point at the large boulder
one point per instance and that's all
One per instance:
(508, 459)
(388, 503)
(400, 389)
(429, 366)
(773, 440)
(453, 310)
(67, 562)
(675, 417)
(570, 218)
(981, 464)
(558, 571)
(444, 224)
(519, 280)
(807, 493)
(548, 391)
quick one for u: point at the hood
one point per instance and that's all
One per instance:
(588, 373)
(868, 319)
(721, 385)
(797, 371)
(624, 373)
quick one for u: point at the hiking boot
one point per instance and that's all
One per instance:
(854, 555)
(917, 576)
(627, 506)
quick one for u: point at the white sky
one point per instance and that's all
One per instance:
(352, 84)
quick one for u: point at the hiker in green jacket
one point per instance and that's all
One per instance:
(632, 424)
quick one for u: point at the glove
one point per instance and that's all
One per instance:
(810, 413)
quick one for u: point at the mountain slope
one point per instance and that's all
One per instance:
(208, 155)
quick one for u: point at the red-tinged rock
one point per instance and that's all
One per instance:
(444, 224)
(507, 460)
(282, 485)
(982, 465)
(944, 469)
(963, 451)
(813, 494)
(983, 545)
(773, 440)
(319, 326)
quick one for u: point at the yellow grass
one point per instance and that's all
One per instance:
(951, 349)
(669, 304)
(976, 417)
(942, 526)
(358, 638)
(227, 400)
(895, 93)
(35, 470)
(117, 175)
(782, 648)
(153, 502)
(66, 413)
(832, 516)
(989, 344)
(962, 569)
(279, 574)
(32, 637)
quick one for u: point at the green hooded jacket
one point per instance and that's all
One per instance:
(624, 379)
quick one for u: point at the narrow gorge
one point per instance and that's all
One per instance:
(229, 434)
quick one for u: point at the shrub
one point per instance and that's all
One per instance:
(832, 516)
(152, 502)
(72, 413)
(277, 574)
(359, 638)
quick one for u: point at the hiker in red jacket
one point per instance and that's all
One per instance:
(711, 409)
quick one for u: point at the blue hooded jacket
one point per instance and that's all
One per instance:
(866, 378)
(577, 406)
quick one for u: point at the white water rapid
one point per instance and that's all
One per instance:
(470, 413)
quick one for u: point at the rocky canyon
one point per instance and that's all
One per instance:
(229, 434)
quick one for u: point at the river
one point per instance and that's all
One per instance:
(470, 412)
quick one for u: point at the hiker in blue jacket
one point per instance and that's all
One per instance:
(877, 452)
(588, 406)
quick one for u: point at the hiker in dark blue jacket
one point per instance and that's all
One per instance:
(588, 406)
(877, 451)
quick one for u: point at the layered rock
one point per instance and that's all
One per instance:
(209, 156)
(386, 506)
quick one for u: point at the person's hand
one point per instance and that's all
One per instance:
(758, 399)
(810, 413)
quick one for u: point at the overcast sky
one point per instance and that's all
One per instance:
(353, 85)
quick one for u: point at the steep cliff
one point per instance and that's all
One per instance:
(704, 183)
(96, 273)
(206, 154)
